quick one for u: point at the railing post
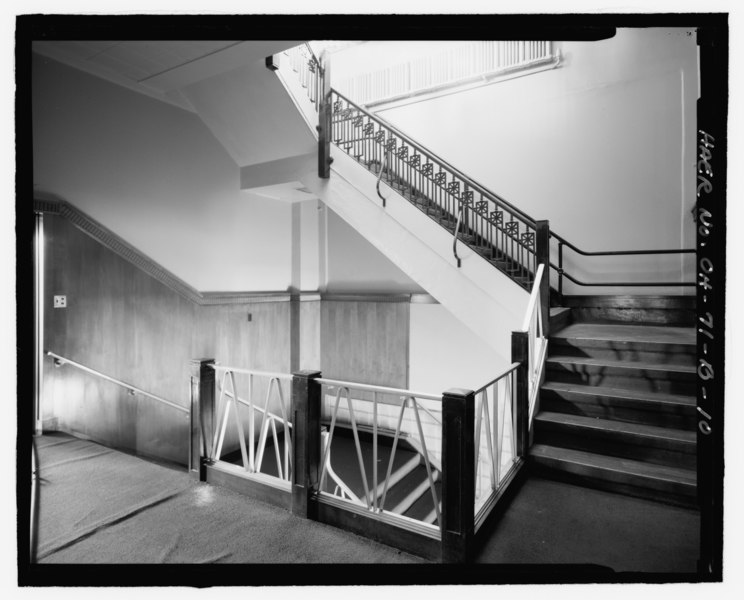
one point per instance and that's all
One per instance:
(201, 416)
(325, 114)
(520, 354)
(306, 442)
(458, 475)
(542, 249)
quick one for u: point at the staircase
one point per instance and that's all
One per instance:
(408, 493)
(617, 405)
(617, 408)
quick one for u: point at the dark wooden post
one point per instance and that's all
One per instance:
(542, 248)
(325, 113)
(520, 354)
(202, 415)
(458, 475)
(306, 442)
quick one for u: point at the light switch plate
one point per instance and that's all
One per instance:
(60, 302)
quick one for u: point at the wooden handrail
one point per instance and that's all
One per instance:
(61, 360)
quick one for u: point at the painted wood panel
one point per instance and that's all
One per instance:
(365, 342)
(125, 324)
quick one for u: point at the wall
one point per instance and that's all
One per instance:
(365, 341)
(156, 176)
(603, 147)
(124, 323)
(444, 354)
(355, 266)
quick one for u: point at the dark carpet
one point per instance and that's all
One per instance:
(554, 522)
(102, 506)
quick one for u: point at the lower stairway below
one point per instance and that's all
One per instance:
(408, 493)
(617, 407)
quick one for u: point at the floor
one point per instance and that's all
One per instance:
(101, 506)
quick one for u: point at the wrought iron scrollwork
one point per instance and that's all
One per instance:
(415, 161)
(481, 207)
(528, 239)
(427, 169)
(453, 187)
(497, 217)
(512, 228)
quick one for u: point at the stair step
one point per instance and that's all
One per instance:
(423, 508)
(632, 477)
(653, 344)
(405, 494)
(560, 317)
(649, 376)
(670, 410)
(658, 445)
(345, 462)
(661, 310)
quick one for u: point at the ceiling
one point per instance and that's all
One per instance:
(159, 69)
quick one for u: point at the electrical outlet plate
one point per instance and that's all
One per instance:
(60, 302)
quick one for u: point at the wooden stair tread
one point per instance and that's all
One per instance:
(649, 432)
(612, 464)
(611, 332)
(621, 393)
(621, 364)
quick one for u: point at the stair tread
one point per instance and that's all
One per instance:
(655, 334)
(623, 364)
(612, 392)
(621, 465)
(637, 429)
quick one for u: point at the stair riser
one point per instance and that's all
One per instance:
(559, 322)
(662, 354)
(661, 452)
(678, 417)
(640, 487)
(655, 316)
(624, 378)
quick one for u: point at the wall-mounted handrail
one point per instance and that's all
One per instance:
(619, 252)
(456, 235)
(61, 360)
(562, 272)
(379, 179)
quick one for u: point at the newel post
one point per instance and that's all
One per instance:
(306, 442)
(520, 354)
(201, 415)
(542, 249)
(325, 114)
(458, 475)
